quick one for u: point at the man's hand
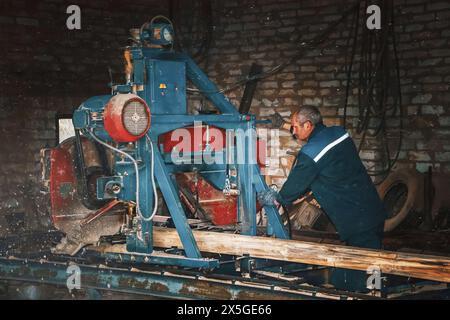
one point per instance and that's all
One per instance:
(277, 121)
(267, 197)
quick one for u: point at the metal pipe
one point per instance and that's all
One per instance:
(138, 209)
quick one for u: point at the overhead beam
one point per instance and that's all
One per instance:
(428, 267)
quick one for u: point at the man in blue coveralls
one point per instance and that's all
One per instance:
(329, 166)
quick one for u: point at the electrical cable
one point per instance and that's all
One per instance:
(136, 168)
(355, 27)
(185, 41)
(305, 45)
(152, 177)
(373, 84)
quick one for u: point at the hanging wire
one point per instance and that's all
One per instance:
(304, 47)
(197, 37)
(377, 84)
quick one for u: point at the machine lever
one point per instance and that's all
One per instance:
(100, 212)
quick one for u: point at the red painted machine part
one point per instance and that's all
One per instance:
(221, 209)
(193, 139)
(113, 120)
(62, 182)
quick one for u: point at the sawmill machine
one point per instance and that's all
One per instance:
(142, 173)
(138, 156)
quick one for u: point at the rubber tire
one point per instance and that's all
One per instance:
(414, 184)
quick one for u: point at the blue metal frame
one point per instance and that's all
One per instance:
(176, 210)
(161, 75)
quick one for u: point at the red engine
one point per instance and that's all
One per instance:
(126, 117)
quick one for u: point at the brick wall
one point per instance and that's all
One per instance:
(47, 69)
(267, 32)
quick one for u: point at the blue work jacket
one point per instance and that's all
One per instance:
(329, 165)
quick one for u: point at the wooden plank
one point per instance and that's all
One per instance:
(428, 267)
